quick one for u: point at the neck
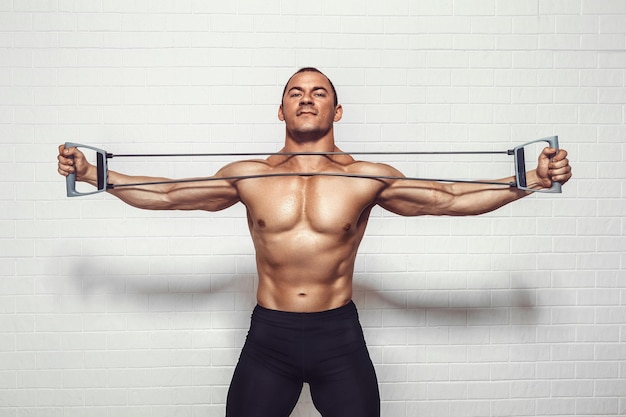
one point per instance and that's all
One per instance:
(308, 163)
(321, 144)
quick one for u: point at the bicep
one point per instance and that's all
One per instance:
(409, 197)
(415, 198)
(211, 194)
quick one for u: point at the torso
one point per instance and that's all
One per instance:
(306, 231)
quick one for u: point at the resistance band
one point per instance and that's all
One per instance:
(103, 156)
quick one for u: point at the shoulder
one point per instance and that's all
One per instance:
(245, 167)
(375, 169)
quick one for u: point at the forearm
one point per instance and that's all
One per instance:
(144, 196)
(471, 199)
(149, 197)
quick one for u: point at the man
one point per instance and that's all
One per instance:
(306, 231)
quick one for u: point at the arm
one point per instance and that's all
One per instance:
(413, 198)
(210, 195)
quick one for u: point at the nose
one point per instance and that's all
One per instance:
(306, 99)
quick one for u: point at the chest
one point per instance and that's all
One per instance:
(319, 203)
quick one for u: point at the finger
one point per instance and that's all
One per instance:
(66, 168)
(560, 155)
(563, 178)
(65, 161)
(562, 165)
(65, 150)
(547, 151)
(561, 173)
(71, 152)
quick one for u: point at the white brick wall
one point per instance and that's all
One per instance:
(111, 311)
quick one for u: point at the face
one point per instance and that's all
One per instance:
(308, 108)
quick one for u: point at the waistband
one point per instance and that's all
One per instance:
(346, 311)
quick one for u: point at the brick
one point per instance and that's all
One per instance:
(600, 332)
(80, 6)
(597, 370)
(612, 24)
(14, 22)
(560, 7)
(597, 406)
(480, 8)
(572, 389)
(511, 7)
(603, 7)
(40, 379)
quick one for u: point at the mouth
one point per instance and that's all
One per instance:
(306, 111)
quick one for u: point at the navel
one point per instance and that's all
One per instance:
(302, 294)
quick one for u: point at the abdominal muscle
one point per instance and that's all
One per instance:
(305, 273)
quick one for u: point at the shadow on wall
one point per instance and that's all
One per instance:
(89, 278)
(487, 306)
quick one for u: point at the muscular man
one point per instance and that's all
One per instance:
(306, 231)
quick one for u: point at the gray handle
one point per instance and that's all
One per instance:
(520, 166)
(102, 172)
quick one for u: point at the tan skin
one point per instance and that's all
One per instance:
(307, 229)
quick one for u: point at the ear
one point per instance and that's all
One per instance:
(338, 113)
(281, 116)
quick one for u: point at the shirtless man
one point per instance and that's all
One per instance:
(306, 231)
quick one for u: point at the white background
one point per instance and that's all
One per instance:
(107, 310)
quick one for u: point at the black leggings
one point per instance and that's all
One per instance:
(283, 350)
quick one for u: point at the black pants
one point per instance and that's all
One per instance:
(283, 350)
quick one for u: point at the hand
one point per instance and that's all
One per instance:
(72, 161)
(552, 166)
